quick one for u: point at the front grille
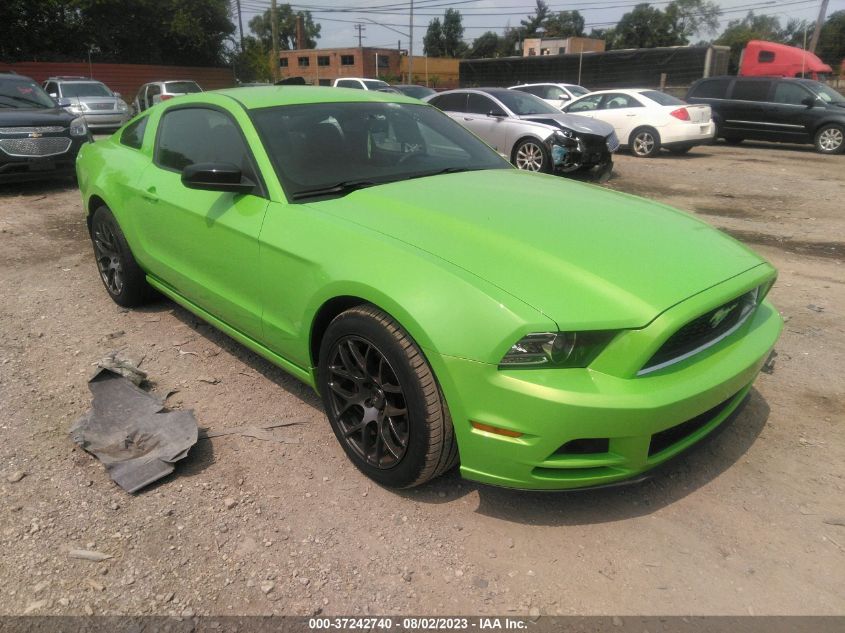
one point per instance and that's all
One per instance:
(703, 332)
(48, 146)
(45, 129)
(671, 436)
(100, 106)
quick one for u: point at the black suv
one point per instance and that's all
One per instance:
(777, 109)
(37, 137)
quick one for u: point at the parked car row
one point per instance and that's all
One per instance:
(448, 308)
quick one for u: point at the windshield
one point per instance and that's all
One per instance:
(317, 146)
(578, 91)
(23, 93)
(523, 104)
(826, 93)
(182, 87)
(417, 92)
(662, 98)
(85, 89)
(374, 84)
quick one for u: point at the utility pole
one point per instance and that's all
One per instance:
(818, 29)
(275, 30)
(411, 46)
(240, 22)
(360, 28)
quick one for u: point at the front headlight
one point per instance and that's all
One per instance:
(556, 349)
(121, 106)
(78, 127)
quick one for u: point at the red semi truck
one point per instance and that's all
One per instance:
(768, 59)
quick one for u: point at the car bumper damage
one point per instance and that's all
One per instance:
(575, 428)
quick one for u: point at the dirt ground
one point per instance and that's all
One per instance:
(751, 523)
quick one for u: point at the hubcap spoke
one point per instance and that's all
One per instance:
(367, 402)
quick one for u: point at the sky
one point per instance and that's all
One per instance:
(387, 21)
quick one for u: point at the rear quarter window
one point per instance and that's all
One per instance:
(711, 89)
(133, 134)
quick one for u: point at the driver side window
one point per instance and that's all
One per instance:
(188, 136)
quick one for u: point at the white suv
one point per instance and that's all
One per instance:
(360, 84)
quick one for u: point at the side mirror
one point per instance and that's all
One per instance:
(53, 94)
(64, 102)
(497, 114)
(216, 177)
(809, 101)
(118, 95)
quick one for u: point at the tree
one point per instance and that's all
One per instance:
(485, 45)
(262, 27)
(691, 17)
(645, 27)
(831, 47)
(534, 22)
(608, 35)
(433, 40)
(252, 62)
(189, 32)
(453, 34)
(565, 24)
(445, 39)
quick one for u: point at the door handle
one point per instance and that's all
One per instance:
(150, 194)
(634, 114)
(466, 118)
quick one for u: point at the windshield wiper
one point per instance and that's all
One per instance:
(445, 170)
(341, 188)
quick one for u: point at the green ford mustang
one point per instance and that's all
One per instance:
(447, 307)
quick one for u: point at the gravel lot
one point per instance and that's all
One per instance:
(752, 523)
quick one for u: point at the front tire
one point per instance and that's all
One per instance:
(644, 142)
(830, 139)
(383, 401)
(121, 275)
(532, 155)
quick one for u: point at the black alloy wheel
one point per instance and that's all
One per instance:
(368, 402)
(121, 275)
(383, 401)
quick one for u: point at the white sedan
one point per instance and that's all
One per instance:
(557, 95)
(647, 120)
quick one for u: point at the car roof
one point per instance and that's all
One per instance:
(268, 96)
(73, 78)
(545, 83)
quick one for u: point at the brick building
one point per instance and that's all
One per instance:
(321, 66)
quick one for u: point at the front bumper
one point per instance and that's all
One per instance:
(645, 420)
(108, 121)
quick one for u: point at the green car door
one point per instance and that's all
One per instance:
(203, 243)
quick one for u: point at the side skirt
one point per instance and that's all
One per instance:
(296, 371)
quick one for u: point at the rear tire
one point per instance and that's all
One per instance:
(529, 154)
(830, 139)
(383, 401)
(121, 275)
(644, 142)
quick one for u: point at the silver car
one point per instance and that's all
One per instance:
(101, 108)
(529, 132)
(157, 91)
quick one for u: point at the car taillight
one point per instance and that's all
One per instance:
(166, 97)
(680, 113)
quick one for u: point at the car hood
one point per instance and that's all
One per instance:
(584, 256)
(576, 123)
(15, 117)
